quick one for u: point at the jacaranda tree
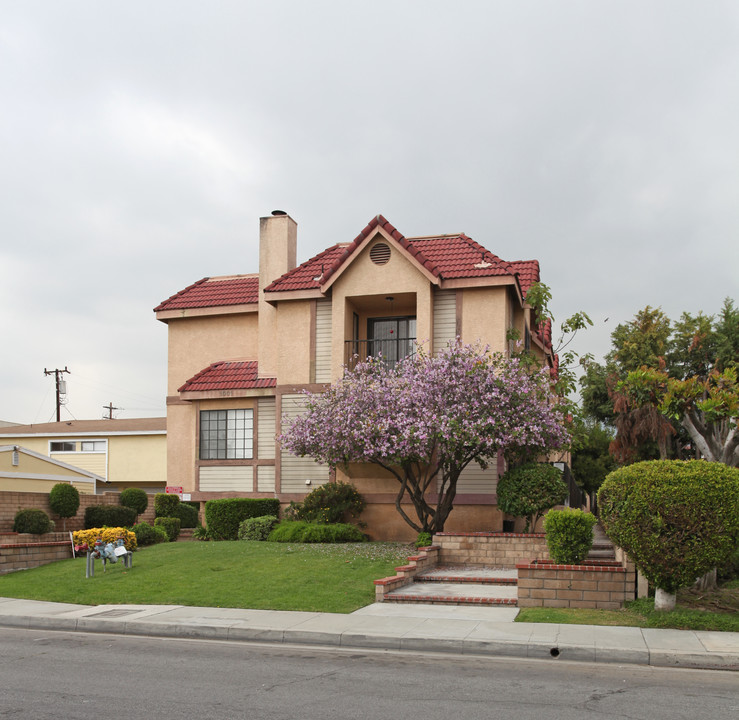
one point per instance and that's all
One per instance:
(428, 417)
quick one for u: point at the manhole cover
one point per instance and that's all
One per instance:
(114, 613)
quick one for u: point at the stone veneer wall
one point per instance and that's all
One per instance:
(603, 585)
(500, 550)
(21, 556)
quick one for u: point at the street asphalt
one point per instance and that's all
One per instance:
(466, 630)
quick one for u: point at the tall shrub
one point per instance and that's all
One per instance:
(109, 515)
(529, 490)
(166, 504)
(64, 501)
(333, 502)
(569, 535)
(134, 498)
(223, 517)
(676, 520)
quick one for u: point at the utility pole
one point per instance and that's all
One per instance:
(61, 388)
(109, 407)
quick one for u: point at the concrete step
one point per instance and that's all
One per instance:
(460, 585)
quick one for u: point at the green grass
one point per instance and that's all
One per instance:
(240, 574)
(639, 613)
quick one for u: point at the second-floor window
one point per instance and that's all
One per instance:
(226, 434)
(392, 338)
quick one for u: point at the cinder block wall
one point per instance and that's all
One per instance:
(501, 550)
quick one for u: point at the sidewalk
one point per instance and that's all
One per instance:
(422, 628)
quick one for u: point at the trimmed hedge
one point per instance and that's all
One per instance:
(171, 526)
(529, 490)
(676, 520)
(109, 515)
(166, 504)
(33, 521)
(149, 534)
(257, 528)
(569, 535)
(134, 498)
(223, 517)
(187, 514)
(299, 531)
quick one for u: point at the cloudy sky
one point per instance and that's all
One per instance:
(141, 142)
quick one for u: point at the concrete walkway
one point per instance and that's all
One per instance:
(466, 630)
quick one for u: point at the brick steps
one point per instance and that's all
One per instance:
(185, 534)
(459, 586)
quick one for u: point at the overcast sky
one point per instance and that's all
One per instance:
(141, 142)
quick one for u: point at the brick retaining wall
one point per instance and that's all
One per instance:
(22, 556)
(602, 585)
(500, 550)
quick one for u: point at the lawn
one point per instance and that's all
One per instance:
(239, 574)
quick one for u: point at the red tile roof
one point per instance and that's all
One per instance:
(228, 376)
(528, 273)
(444, 256)
(215, 292)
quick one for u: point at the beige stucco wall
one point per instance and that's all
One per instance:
(181, 443)
(134, 460)
(194, 343)
(363, 287)
(485, 316)
(293, 342)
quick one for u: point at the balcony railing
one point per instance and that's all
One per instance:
(390, 350)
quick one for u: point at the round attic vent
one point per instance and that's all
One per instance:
(380, 254)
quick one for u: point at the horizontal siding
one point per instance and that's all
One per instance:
(266, 478)
(475, 480)
(227, 478)
(445, 318)
(294, 471)
(266, 428)
(323, 341)
(92, 462)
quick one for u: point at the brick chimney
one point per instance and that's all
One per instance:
(278, 240)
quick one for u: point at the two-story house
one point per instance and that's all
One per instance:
(242, 348)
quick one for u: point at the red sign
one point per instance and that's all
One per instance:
(173, 490)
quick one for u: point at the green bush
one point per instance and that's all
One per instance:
(569, 535)
(64, 500)
(201, 533)
(676, 520)
(300, 531)
(33, 521)
(529, 490)
(149, 534)
(257, 528)
(223, 517)
(109, 516)
(171, 526)
(187, 514)
(166, 504)
(134, 498)
(329, 503)
(424, 539)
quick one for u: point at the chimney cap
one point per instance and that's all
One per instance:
(277, 213)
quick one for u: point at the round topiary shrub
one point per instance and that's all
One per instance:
(569, 535)
(33, 521)
(149, 534)
(64, 501)
(134, 498)
(529, 490)
(257, 528)
(333, 502)
(676, 520)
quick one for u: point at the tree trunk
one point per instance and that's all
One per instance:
(664, 600)
(708, 582)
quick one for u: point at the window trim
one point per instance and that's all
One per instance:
(229, 442)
